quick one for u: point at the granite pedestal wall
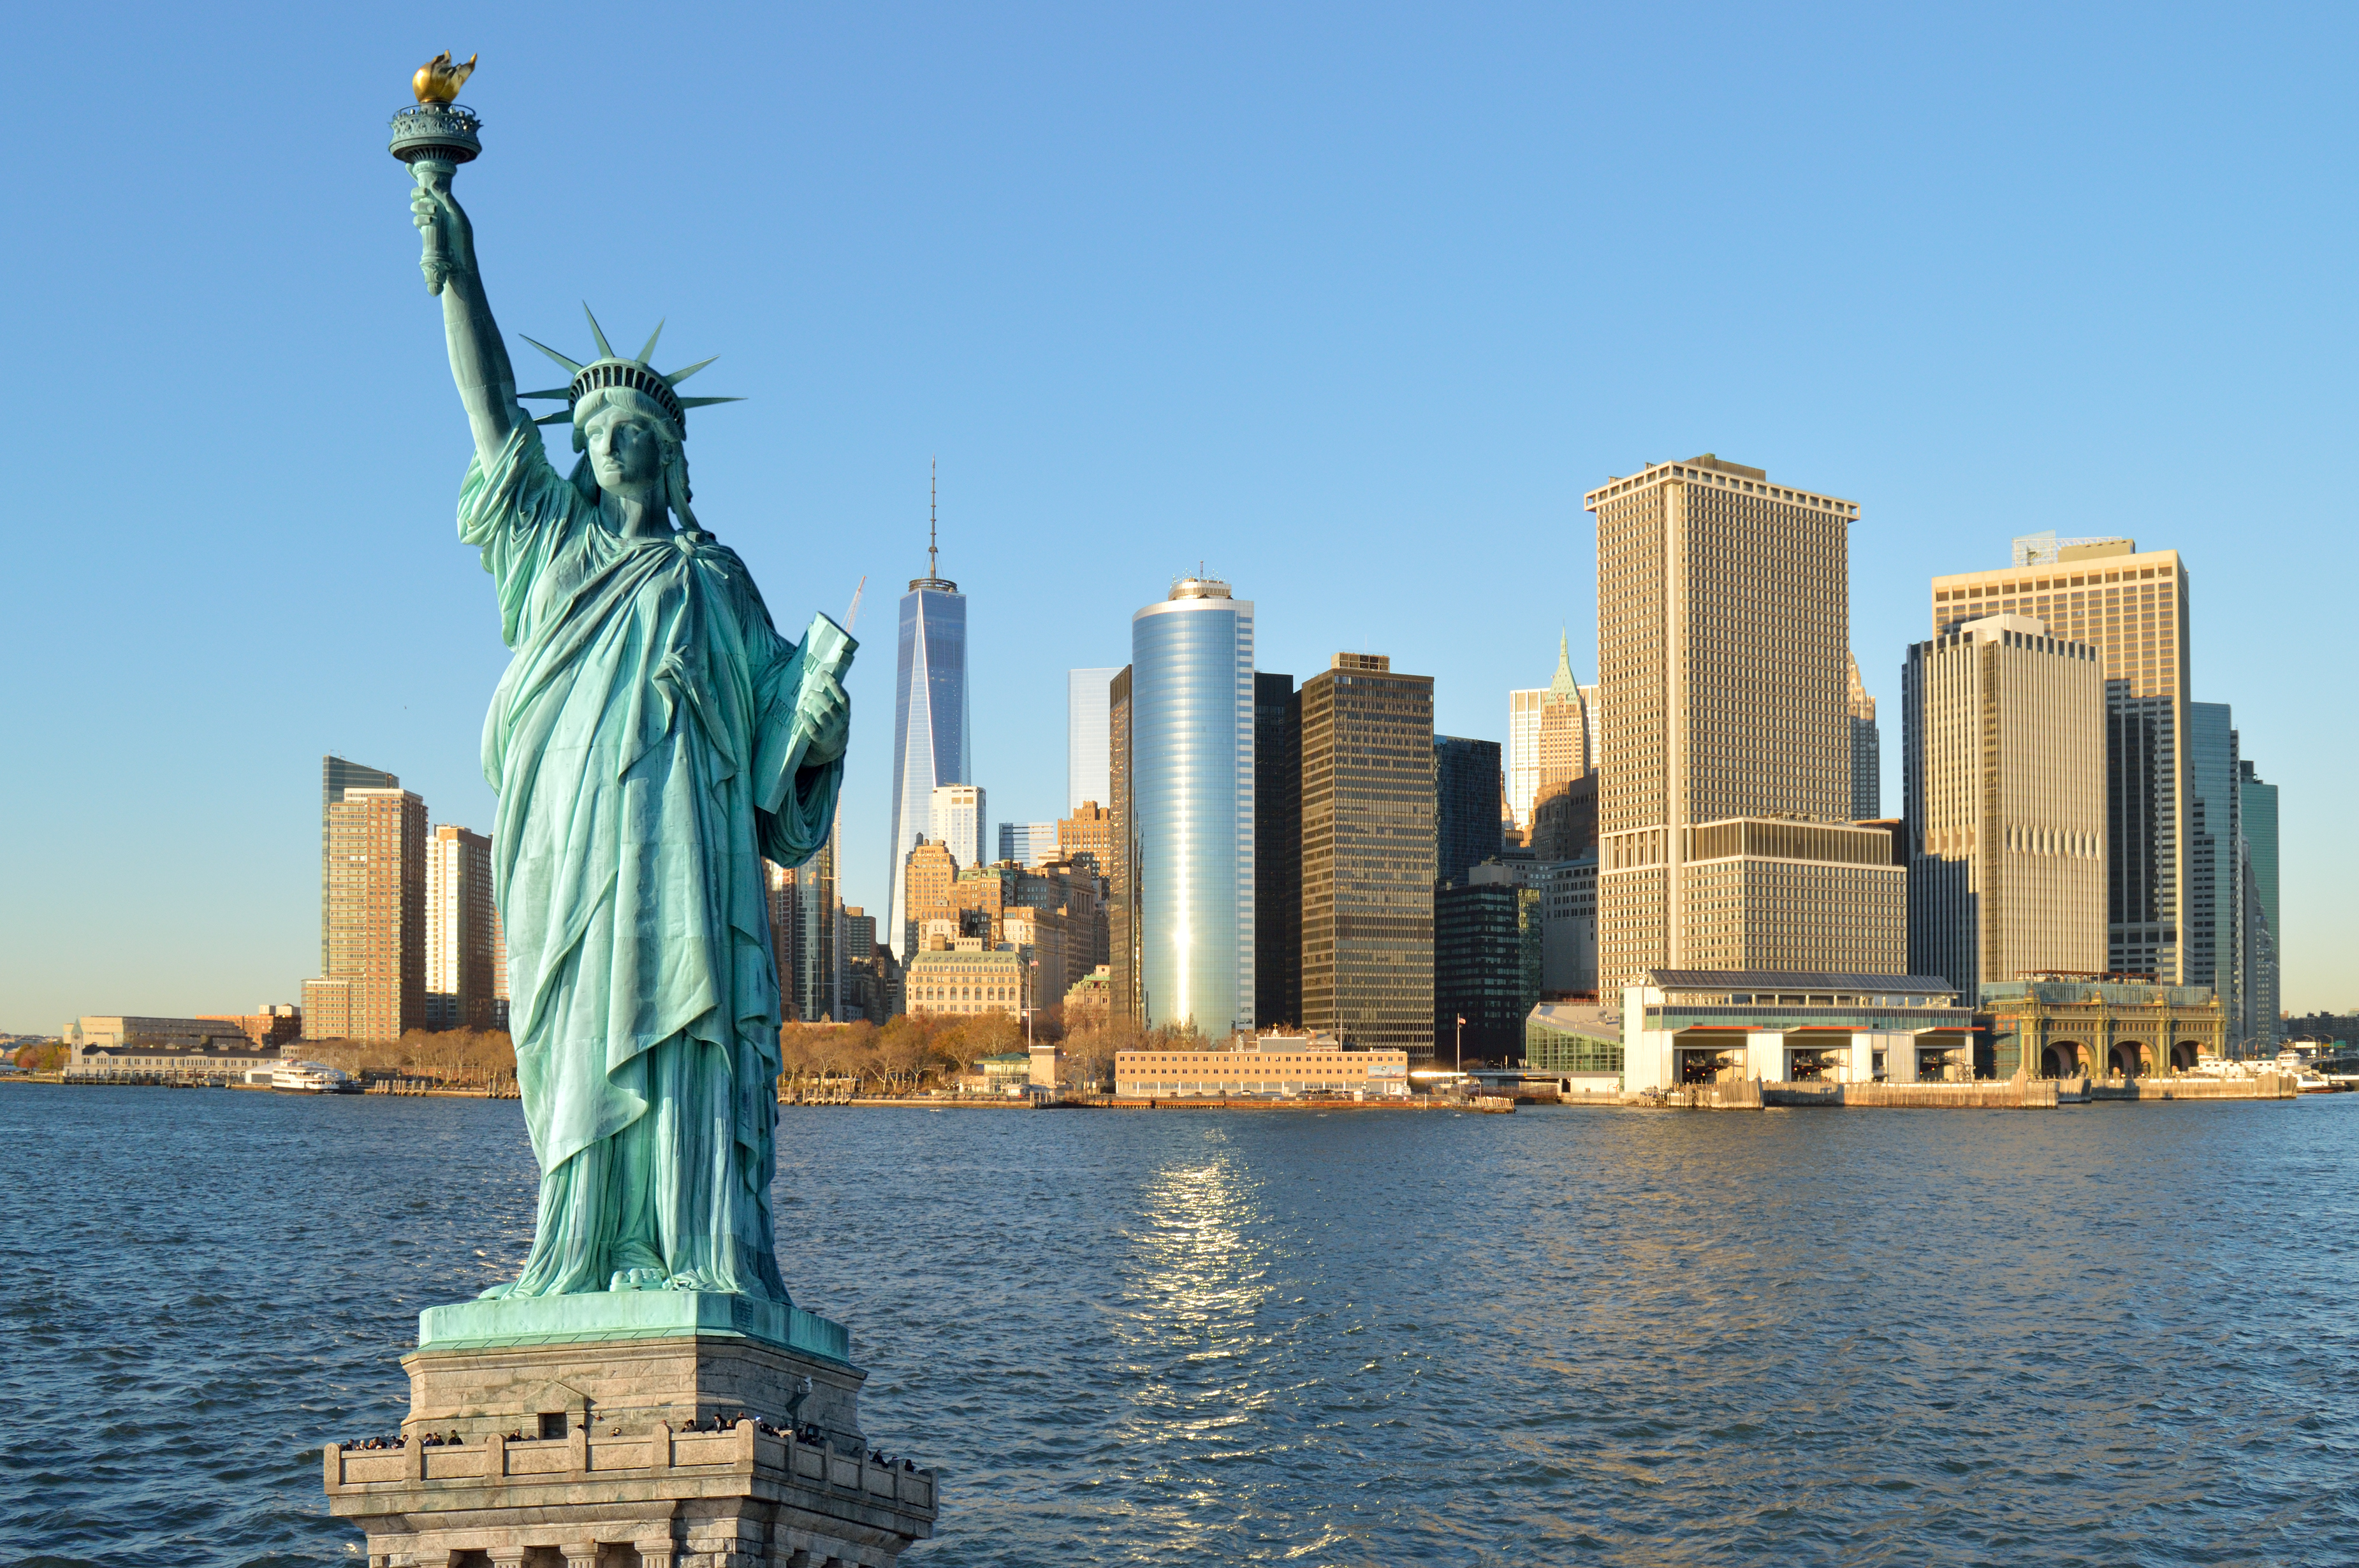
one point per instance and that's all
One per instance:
(584, 1450)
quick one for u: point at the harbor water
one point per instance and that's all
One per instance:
(2100, 1335)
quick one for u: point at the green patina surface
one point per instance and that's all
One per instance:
(630, 1314)
(654, 742)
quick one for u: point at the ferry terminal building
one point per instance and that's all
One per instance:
(1684, 1027)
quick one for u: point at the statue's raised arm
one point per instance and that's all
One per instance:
(478, 360)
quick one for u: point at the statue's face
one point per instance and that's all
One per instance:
(625, 454)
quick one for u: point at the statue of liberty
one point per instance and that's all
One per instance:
(654, 739)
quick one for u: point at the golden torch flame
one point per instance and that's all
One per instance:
(439, 81)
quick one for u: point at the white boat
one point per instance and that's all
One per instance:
(311, 1079)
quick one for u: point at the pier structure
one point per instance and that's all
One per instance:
(1681, 1028)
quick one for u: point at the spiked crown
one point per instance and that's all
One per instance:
(611, 369)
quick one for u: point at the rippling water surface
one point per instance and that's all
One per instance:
(2101, 1334)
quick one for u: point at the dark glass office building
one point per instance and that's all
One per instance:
(1277, 850)
(1466, 797)
(1487, 969)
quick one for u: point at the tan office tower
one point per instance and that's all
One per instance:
(1725, 833)
(1866, 749)
(337, 775)
(376, 985)
(1368, 855)
(2003, 775)
(458, 929)
(1549, 738)
(1563, 727)
(1088, 831)
(2131, 606)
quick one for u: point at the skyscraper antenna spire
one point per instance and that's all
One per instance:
(933, 497)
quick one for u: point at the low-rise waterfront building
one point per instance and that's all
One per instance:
(114, 1031)
(225, 1057)
(1576, 1042)
(1008, 1072)
(1694, 1026)
(2063, 1026)
(1048, 1073)
(1270, 1065)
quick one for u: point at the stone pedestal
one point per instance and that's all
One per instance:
(599, 1450)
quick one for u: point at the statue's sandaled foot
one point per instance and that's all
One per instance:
(497, 1292)
(637, 1279)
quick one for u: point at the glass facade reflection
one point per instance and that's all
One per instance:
(930, 723)
(1191, 796)
(2214, 874)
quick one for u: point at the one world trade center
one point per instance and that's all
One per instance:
(929, 720)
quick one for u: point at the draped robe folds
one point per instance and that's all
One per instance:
(639, 743)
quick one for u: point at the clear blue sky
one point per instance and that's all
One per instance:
(1352, 304)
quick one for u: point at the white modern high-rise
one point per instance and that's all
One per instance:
(956, 820)
(460, 929)
(1088, 738)
(930, 718)
(1191, 806)
(1524, 752)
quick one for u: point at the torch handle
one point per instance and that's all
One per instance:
(435, 262)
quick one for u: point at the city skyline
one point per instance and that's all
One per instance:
(1151, 348)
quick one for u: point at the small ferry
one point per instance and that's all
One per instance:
(311, 1079)
(2302, 1065)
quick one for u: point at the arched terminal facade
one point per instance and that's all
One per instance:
(2069, 1026)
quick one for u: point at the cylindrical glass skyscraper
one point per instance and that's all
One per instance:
(1193, 806)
